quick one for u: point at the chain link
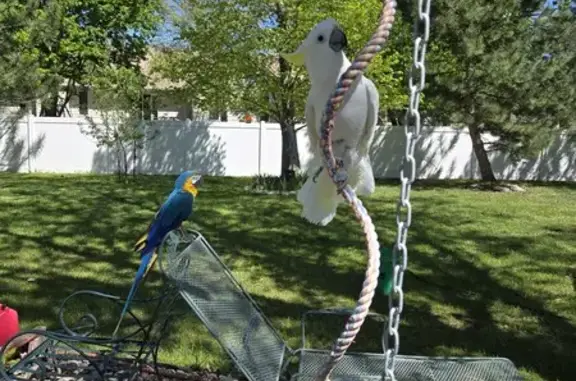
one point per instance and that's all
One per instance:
(412, 128)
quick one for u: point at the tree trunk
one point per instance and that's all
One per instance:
(134, 157)
(285, 116)
(290, 158)
(50, 108)
(124, 159)
(484, 164)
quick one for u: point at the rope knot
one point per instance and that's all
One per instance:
(339, 175)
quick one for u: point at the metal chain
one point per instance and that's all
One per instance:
(407, 176)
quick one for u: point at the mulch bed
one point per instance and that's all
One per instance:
(77, 368)
(172, 373)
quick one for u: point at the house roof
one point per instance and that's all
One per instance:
(156, 81)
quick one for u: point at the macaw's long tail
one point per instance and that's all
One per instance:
(146, 262)
(142, 241)
(141, 246)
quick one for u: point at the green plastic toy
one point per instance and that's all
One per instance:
(386, 271)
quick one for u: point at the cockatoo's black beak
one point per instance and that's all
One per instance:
(338, 40)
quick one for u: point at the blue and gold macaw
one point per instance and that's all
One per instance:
(176, 209)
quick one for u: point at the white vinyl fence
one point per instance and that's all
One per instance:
(239, 149)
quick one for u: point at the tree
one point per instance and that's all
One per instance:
(118, 95)
(22, 79)
(80, 37)
(487, 73)
(231, 60)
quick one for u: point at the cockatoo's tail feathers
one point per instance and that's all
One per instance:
(319, 199)
(318, 217)
(366, 184)
(315, 208)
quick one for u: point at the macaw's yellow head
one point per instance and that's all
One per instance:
(188, 182)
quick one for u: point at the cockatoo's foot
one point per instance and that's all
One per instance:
(317, 173)
(340, 174)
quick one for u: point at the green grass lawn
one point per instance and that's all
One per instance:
(489, 273)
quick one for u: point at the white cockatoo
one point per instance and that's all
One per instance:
(322, 52)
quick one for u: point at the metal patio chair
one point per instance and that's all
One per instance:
(81, 349)
(259, 352)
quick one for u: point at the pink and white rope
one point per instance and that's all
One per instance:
(338, 175)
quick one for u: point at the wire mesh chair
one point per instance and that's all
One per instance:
(258, 351)
(370, 366)
(225, 308)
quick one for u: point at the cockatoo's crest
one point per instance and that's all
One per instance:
(322, 51)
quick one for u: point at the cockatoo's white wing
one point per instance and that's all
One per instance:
(365, 184)
(371, 117)
(313, 137)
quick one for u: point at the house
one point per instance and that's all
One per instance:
(158, 103)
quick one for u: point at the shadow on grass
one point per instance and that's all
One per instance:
(490, 313)
(430, 184)
(471, 288)
(60, 234)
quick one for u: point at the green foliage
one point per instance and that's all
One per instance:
(233, 60)
(486, 71)
(119, 90)
(555, 35)
(69, 40)
(22, 31)
(118, 95)
(388, 68)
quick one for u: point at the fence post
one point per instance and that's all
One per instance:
(260, 148)
(29, 132)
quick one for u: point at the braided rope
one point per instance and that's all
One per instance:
(338, 175)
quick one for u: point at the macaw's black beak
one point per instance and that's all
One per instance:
(198, 180)
(338, 40)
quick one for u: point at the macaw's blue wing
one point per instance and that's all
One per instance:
(176, 209)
